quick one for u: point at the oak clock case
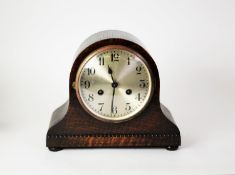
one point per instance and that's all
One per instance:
(113, 99)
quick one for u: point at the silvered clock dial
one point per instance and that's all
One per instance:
(114, 83)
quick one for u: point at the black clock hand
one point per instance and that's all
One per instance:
(114, 85)
(112, 100)
(110, 72)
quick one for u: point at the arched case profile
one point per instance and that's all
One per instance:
(71, 126)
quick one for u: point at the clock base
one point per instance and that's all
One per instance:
(169, 148)
(73, 134)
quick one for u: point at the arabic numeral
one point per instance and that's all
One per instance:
(101, 61)
(91, 97)
(101, 106)
(128, 61)
(114, 111)
(86, 84)
(128, 107)
(91, 71)
(142, 84)
(138, 97)
(138, 69)
(114, 57)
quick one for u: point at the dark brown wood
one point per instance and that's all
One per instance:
(72, 127)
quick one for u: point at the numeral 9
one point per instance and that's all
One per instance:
(86, 84)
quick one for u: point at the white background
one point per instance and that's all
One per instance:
(193, 44)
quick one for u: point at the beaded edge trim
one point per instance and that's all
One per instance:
(114, 135)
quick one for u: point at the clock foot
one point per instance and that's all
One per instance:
(55, 149)
(172, 148)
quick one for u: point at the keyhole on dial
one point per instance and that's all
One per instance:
(128, 91)
(100, 92)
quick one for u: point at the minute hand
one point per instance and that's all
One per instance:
(112, 100)
(114, 85)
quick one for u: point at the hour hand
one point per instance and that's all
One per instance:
(110, 72)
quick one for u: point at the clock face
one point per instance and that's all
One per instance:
(114, 83)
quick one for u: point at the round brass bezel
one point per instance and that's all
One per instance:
(104, 118)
